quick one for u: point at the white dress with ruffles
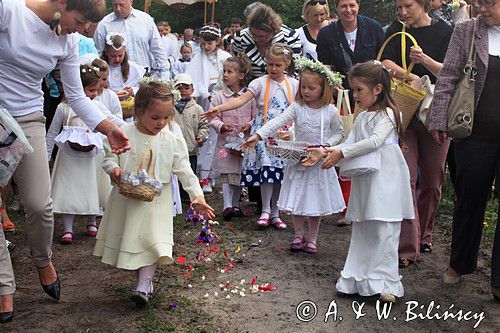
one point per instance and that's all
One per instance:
(378, 203)
(309, 191)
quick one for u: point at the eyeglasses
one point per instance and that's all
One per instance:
(315, 2)
(484, 3)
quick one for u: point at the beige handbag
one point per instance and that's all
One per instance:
(424, 111)
(461, 109)
(347, 116)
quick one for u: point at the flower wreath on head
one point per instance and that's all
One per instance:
(109, 40)
(170, 85)
(89, 69)
(334, 78)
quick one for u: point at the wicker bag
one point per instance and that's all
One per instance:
(142, 192)
(290, 151)
(407, 98)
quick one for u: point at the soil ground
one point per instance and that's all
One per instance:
(95, 296)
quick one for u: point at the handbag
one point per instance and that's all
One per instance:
(424, 112)
(347, 116)
(461, 109)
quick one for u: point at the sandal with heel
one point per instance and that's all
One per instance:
(263, 221)
(311, 248)
(297, 244)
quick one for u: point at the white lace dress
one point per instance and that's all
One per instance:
(309, 191)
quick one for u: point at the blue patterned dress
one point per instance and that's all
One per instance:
(258, 166)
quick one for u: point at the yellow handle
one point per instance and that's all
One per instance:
(403, 48)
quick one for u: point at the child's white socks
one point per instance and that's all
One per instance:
(231, 195)
(68, 222)
(145, 281)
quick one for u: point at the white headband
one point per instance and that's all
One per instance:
(209, 29)
(109, 40)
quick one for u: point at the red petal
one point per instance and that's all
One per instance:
(181, 260)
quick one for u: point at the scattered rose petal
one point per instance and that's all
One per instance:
(228, 297)
(238, 249)
(242, 294)
(181, 260)
(190, 286)
(206, 295)
(216, 294)
(203, 277)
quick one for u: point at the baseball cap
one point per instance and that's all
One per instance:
(183, 78)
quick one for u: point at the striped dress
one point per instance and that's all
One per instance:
(244, 42)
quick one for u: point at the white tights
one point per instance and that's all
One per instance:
(69, 218)
(145, 279)
(270, 194)
(231, 195)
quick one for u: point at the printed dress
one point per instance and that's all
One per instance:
(309, 191)
(258, 166)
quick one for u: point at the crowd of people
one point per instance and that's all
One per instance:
(121, 101)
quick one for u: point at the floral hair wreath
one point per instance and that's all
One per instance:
(377, 62)
(334, 78)
(169, 84)
(210, 29)
(109, 40)
(89, 69)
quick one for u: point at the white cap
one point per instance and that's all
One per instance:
(183, 78)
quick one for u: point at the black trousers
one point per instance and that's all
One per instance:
(193, 160)
(478, 163)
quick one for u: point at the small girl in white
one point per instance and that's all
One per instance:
(74, 176)
(105, 95)
(309, 192)
(205, 69)
(180, 65)
(379, 200)
(137, 235)
(124, 74)
(273, 92)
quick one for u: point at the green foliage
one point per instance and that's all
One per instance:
(290, 11)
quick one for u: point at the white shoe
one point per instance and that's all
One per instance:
(207, 188)
(387, 298)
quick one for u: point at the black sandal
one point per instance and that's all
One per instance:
(426, 248)
(405, 263)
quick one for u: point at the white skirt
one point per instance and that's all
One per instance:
(371, 266)
(103, 183)
(74, 185)
(176, 197)
(310, 191)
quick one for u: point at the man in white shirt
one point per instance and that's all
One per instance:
(144, 44)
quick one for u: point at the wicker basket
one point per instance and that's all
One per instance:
(290, 151)
(142, 192)
(407, 98)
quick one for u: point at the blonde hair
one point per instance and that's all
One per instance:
(326, 89)
(308, 9)
(281, 50)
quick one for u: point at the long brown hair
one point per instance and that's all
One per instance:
(89, 75)
(118, 41)
(373, 73)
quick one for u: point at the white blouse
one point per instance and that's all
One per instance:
(110, 100)
(28, 52)
(135, 75)
(308, 43)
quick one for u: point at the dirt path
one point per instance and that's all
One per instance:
(94, 296)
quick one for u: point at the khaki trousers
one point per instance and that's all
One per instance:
(7, 282)
(32, 177)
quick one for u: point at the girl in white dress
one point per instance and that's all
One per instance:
(205, 69)
(74, 176)
(110, 100)
(309, 192)
(124, 74)
(380, 199)
(138, 235)
(274, 93)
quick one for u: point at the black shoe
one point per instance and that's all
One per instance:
(238, 212)
(227, 214)
(6, 317)
(54, 289)
(10, 246)
(426, 248)
(139, 298)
